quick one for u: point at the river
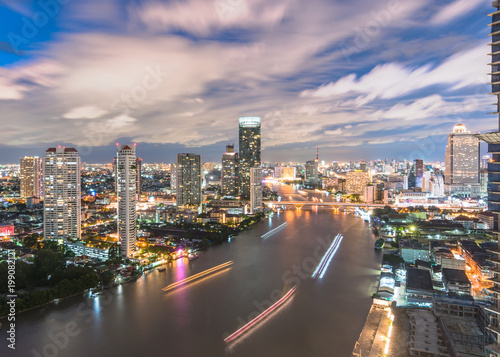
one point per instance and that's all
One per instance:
(324, 317)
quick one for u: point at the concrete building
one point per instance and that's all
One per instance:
(285, 173)
(412, 250)
(62, 194)
(462, 162)
(230, 172)
(31, 176)
(126, 179)
(356, 181)
(456, 281)
(255, 190)
(138, 180)
(249, 137)
(369, 194)
(312, 174)
(189, 178)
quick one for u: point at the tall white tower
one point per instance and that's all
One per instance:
(126, 189)
(62, 194)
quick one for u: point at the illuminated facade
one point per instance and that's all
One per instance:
(126, 187)
(356, 181)
(255, 190)
(61, 194)
(462, 162)
(493, 140)
(312, 175)
(31, 177)
(230, 178)
(249, 133)
(285, 173)
(189, 177)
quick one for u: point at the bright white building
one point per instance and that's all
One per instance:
(126, 175)
(62, 194)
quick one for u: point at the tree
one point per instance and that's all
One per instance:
(31, 241)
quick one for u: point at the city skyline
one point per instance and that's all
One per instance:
(334, 92)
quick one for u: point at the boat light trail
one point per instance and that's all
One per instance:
(263, 315)
(327, 257)
(274, 230)
(198, 276)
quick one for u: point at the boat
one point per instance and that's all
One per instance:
(162, 269)
(193, 257)
(379, 243)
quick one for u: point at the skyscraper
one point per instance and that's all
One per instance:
(126, 187)
(189, 177)
(230, 178)
(493, 140)
(255, 190)
(462, 162)
(61, 194)
(249, 133)
(31, 177)
(311, 173)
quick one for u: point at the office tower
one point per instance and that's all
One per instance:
(493, 140)
(138, 179)
(126, 181)
(249, 133)
(31, 177)
(230, 178)
(362, 166)
(255, 190)
(312, 174)
(61, 194)
(462, 162)
(189, 178)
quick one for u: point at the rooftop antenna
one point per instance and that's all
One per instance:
(230, 141)
(317, 153)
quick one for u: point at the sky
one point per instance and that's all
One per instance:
(361, 79)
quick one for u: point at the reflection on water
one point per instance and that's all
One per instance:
(194, 320)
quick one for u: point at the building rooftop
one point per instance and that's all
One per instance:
(419, 279)
(455, 275)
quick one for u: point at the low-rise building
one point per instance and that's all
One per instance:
(456, 281)
(412, 250)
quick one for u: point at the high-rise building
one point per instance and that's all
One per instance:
(493, 140)
(31, 177)
(126, 187)
(230, 177)
(249, 133)
(312, 174)
(255, 190)
(138, 180)
(189, 177)
(356, 181)
(173, 178)
(61, 194)
(462, 162)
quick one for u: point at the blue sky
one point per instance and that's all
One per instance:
(360, 79)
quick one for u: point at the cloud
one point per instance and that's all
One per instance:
(202, 17)
(455, 10)
(88, 112)
(392, 80)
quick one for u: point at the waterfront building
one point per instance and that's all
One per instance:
(230, 177)
(255, 190)
(285, 173)
(62, 194)
(312, 178)
(31, 176)
(189, 178)
(249, 156)
(126, 180)
(462, 162)
(356, 181)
